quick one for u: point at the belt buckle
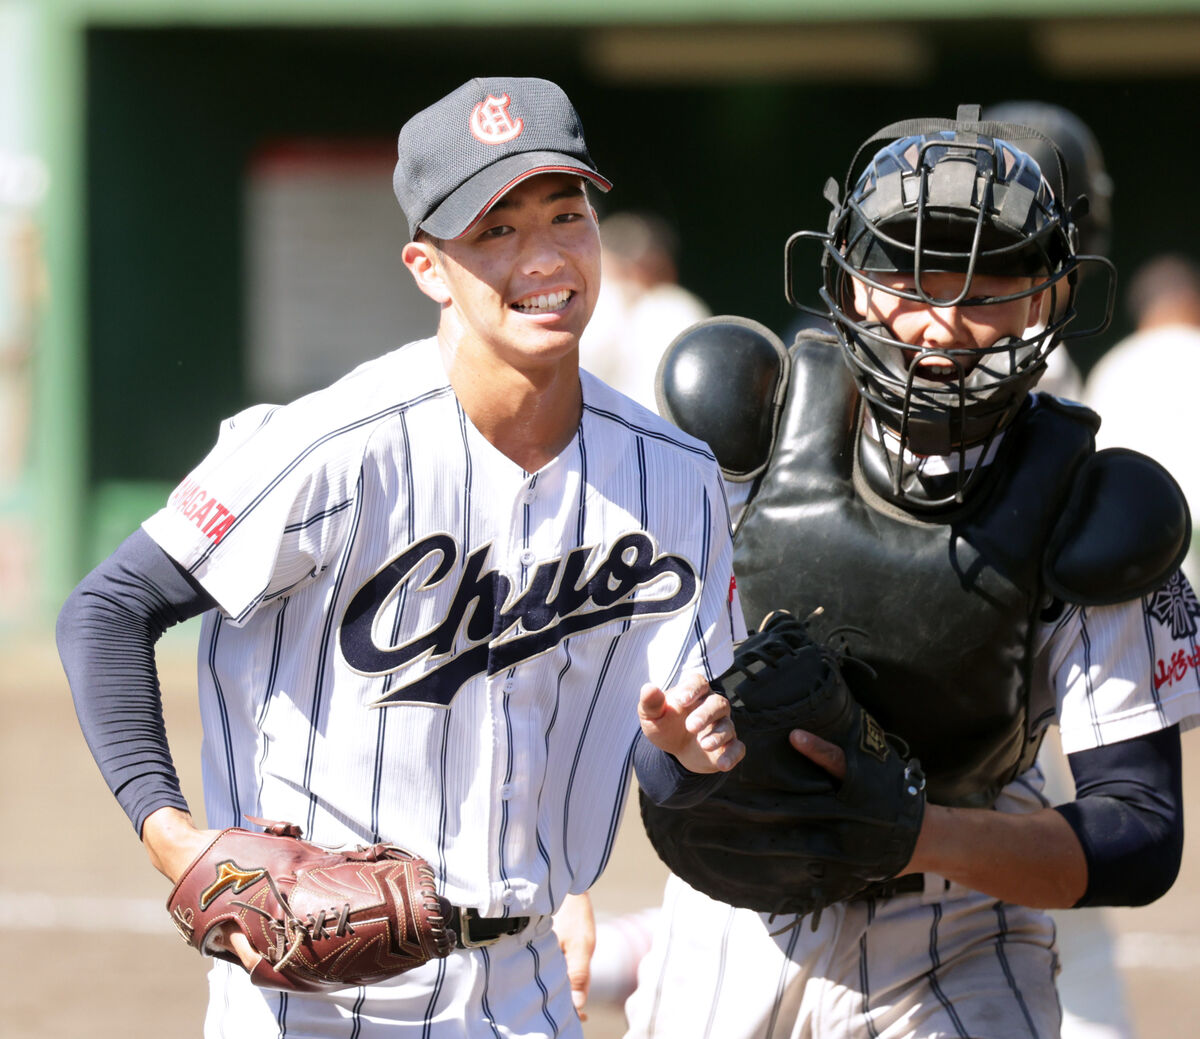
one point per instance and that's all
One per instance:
(464, 932)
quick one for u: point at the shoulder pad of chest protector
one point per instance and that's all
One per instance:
(723, 380)
(1125, 529)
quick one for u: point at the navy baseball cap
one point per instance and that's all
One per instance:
(459, 156)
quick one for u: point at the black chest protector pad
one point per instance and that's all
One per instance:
(723, 380)
(1124, 530)
(948, 602)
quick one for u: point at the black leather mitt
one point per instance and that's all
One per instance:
(781, 835)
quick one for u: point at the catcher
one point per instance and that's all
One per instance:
(994, 573)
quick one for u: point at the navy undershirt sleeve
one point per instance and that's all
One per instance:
(666, 782)
(106, 634)
(1128, 815)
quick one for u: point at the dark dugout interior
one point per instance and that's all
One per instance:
(173, 117)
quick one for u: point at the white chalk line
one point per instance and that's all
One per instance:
(39, 911)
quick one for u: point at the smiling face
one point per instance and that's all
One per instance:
(521, 284)
(962, 332)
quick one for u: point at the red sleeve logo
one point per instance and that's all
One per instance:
(202, 509)
(1174, 606)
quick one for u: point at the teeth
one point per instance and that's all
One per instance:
(553, 301)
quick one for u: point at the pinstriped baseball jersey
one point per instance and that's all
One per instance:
(1123, 671)
(883, 968)
(419, 642)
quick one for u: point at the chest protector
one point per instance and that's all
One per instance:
(946, 603)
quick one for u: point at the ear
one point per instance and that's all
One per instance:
(862, 296)
(1039, 309)
(423, 262)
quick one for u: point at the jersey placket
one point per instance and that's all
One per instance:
(515, 763)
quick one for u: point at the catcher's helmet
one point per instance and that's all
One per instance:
(1084, 170)
(947, 196)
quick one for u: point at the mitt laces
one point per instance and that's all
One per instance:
(292, 932)
(836, 647)
(814, 916)
(789, 636)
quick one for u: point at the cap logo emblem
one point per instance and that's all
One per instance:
(491, 123)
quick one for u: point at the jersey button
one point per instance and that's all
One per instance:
(506, 792)
(527, 557)
(509, 897)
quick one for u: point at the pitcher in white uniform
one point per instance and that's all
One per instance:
(448, 601)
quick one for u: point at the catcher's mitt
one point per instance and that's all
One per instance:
(319, 917)
(781, 835)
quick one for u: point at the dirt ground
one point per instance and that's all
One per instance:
(90, 951)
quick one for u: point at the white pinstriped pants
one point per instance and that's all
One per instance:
(516, 988)
(928, 965)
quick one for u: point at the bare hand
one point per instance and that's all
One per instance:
(173, 842)
(691, 722)
(821, 752)
(575, 926)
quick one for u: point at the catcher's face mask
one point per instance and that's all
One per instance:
(948, 219)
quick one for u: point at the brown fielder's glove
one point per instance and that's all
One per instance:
(320, 918)
(781, 835)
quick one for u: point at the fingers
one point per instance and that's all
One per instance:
(715, 734)
(579, 973)
(575, 925)
(821, 752)
(690, 692)
(228, 938)
(726, 753)
(709, 711)
(652, 703)
(691, 722)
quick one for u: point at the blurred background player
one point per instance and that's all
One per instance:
(1144, 385)
(1091, 987)
(881, 486)
(1085, 173)
(641, 307)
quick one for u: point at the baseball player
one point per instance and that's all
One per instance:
(447, 600)
(1089, 984)
(992, 571)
